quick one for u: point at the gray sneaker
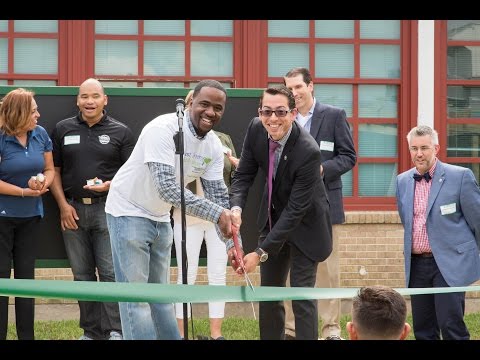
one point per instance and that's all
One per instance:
(115, 335)
(84, 337)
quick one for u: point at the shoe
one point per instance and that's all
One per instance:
(333, 337)
(289, 337)
(115, 335)
(203, 337)
(84, 337)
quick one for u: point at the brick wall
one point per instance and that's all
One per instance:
(371, 252)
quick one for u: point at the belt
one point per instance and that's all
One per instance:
(90, 201)
(423, 255)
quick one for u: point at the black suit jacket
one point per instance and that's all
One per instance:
(301, 208)
(330, 125)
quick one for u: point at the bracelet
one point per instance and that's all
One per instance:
(22, 192)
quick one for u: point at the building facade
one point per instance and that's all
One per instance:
(388, 75)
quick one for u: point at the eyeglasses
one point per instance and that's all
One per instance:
(279, 112)
(421, 148)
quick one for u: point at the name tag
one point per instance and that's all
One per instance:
(448, 209)
(71, 139)
(326, 145)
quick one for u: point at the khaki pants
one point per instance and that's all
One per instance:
(328, 276)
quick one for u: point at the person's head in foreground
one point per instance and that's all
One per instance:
(378, 313)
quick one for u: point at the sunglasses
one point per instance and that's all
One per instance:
(278, 112)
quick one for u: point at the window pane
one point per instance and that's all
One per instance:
(164, 27)
(35, 82)
(164, 58)
(3, 55)
(377, 179)
(463, 62)
(463, 140)
(475, 167)
(3, 82)
(116, 27)
(463, 30)
(347, 183)
(340, 29)
(36, 26)
(377, 101)
(163, 84)
(3, 25)
(283, 57)
(333, 61)
(377, 140)
(211, 59)
(380, 61)
(119, 84)
(463, 101)
(211, 28)
(337, 95)
(36, 56)
(288, 28)
(380, 29)
(116, 57)
(226, 85)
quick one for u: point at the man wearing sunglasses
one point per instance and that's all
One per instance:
(293, 218)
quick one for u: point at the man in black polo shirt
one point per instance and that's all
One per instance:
(91, 145)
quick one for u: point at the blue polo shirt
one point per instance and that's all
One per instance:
(17, 165)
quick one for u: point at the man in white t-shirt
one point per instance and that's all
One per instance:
(142, 193)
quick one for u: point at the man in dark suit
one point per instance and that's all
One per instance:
(439, 206)
(298, 236)
(329, 127)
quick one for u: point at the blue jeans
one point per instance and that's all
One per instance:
(141, 251)
(88, 249)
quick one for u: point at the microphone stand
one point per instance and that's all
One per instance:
(180, 149)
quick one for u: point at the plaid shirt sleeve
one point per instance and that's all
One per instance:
(208, 208)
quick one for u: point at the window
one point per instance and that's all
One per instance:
(356, 65)
(29, 52)
(462, 106)
(163, 53)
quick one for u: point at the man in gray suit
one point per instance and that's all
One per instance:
(438, 204)
(329, 127)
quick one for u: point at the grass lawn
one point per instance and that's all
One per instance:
(233, 328)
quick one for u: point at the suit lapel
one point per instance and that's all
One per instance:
(410, 199)
(437, 183)
(317, 119)
(282, 162)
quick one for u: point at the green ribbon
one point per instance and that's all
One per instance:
(169, 293)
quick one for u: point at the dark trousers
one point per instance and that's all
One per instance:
(18, 244)
(89, 252)
(435, 314)
(274, 272)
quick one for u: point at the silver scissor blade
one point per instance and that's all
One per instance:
(249, 282)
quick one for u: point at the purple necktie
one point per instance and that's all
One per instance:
(272, 146)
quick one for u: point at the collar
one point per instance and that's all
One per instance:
(30, 135)
(284, 139)
(100, 122)
(432, 169)
(191, 127)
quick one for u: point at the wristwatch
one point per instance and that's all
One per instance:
(262, 254)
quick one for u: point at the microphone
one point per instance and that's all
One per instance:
(180, 105)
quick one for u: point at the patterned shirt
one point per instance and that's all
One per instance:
(420, 243)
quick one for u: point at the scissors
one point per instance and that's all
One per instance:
(238, 259)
